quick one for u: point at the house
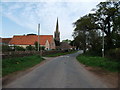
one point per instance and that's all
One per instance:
(48, 41)
(25, 40)
(5, 41)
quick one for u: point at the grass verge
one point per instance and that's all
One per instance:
(59, 54)
(96, 61)
(21, 63)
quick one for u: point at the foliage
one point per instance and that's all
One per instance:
(11, 65)
(36, 45)
(107, 15)
(6, 48)
(104, 63)
(114, 54)
(88, 29)
(40, 47)
(68, 41)
(83, 27)
(18, 48)
(30, 48)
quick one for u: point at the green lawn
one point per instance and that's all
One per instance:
(96, 61)
(59, 54)
(21, 63)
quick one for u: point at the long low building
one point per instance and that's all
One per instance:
(25, 40)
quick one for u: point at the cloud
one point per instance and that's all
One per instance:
(53, 0)
(29, 14)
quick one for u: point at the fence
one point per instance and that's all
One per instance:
(27, 53)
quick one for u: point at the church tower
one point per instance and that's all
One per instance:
(57, 35)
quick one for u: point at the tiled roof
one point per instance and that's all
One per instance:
(5, 40)
(30, 39)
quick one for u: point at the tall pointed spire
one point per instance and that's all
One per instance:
(57, 34)
(57, 26)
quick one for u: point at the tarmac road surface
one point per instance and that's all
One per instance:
(60, 72)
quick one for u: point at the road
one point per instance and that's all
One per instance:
(61, 72)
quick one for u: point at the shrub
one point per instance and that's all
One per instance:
(113, 53)
(30, 48)
(42, 47)
(18, 48)
(6, 48)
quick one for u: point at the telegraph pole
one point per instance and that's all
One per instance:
(38, 37)
(103, 43)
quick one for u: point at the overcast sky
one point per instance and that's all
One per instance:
(22, 17)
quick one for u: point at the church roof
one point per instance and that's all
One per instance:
(31, 39)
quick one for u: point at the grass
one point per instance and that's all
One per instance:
(21, 63)
(59, 54)
(96, 61)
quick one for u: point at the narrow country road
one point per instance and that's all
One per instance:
(61, 72)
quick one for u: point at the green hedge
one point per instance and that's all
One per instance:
(114, 54)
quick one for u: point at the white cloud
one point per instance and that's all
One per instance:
(53, 0)
(28, 15)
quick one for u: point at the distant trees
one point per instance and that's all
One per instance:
(88, 29)
(84, 27)
(67, 40)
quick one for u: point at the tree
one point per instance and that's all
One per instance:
(82, 27)
(36, 45)
(94, 42)
(107, 16)
(40, 47)
(30, 48)
(68, 41)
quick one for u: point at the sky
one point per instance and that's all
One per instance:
(22, 16)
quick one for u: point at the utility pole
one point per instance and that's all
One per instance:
(38, 37)
(103, 42)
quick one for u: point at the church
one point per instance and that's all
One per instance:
(50, 42)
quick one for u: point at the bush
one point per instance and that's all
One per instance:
(30, 48)
(113, 53)
(6, 48)
(42, 47)
(18, 48)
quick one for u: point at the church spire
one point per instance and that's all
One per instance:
(57, 34)
(57, 26)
